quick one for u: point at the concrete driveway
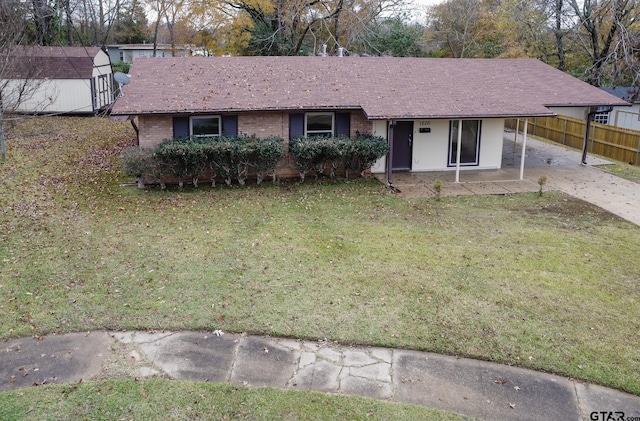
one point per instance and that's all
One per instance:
(561, 166)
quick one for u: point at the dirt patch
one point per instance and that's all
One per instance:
(569, 208)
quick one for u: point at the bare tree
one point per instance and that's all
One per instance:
(43, 15)
(172, 12)
(18, 69)
(607, 34)
(284, 27)
(559, 33)
(12, 15)
(457, 24)
(158, 7)
(66, 6)
(98, 17)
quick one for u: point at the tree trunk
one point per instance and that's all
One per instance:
(42, 17)
(102, 25)
(4, 154)
(562, 62)
(155, 31)
(67, 10)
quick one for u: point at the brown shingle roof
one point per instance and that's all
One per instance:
(52, 62)
(382, 87)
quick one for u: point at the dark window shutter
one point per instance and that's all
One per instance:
(180, 127)
(343, 124)
(296, 125)
(230, 125)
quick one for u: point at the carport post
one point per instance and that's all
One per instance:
(524, 147)
(458, 151)
(515, 136)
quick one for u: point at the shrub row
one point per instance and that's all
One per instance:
(228, 157)
(235, 157)
(322, 154)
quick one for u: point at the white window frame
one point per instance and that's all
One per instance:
(602, 118)
(308, 133)
(207, 117)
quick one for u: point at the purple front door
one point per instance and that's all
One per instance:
(402, 146)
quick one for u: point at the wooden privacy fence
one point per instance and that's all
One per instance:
(612, 142)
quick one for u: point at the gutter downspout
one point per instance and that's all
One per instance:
(135, 127)
(390, 154)
(587, 131)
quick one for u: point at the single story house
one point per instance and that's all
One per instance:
(423, 107)
(65, 80)
(129, 52)
(624, 117)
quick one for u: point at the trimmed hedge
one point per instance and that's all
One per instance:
(363, 151)
(233, 158)
(142, 164)
(319, 153)
(228, 157)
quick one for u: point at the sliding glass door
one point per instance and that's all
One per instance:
(470, 142)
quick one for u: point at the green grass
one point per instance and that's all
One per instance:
(626, 171)
(548, 283)
(160, 399)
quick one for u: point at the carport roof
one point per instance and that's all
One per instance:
(383, 87)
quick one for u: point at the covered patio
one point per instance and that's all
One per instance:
(553, 161)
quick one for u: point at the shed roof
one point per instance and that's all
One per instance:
(383, 87)
(52, 62)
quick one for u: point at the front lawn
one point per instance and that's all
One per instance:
(548, 283)
(161, 399)
(626, 171)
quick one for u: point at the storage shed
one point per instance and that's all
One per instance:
(66, 80)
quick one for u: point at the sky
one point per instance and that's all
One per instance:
(418, 7)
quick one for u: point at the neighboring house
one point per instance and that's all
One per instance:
(423, 107)
(129, 52)
(624, 117)
(67, 80)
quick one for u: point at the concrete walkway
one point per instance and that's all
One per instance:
(476, 388)
(561, 166)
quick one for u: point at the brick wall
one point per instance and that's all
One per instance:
(154, 129)
(264, 124)
(359, 123)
